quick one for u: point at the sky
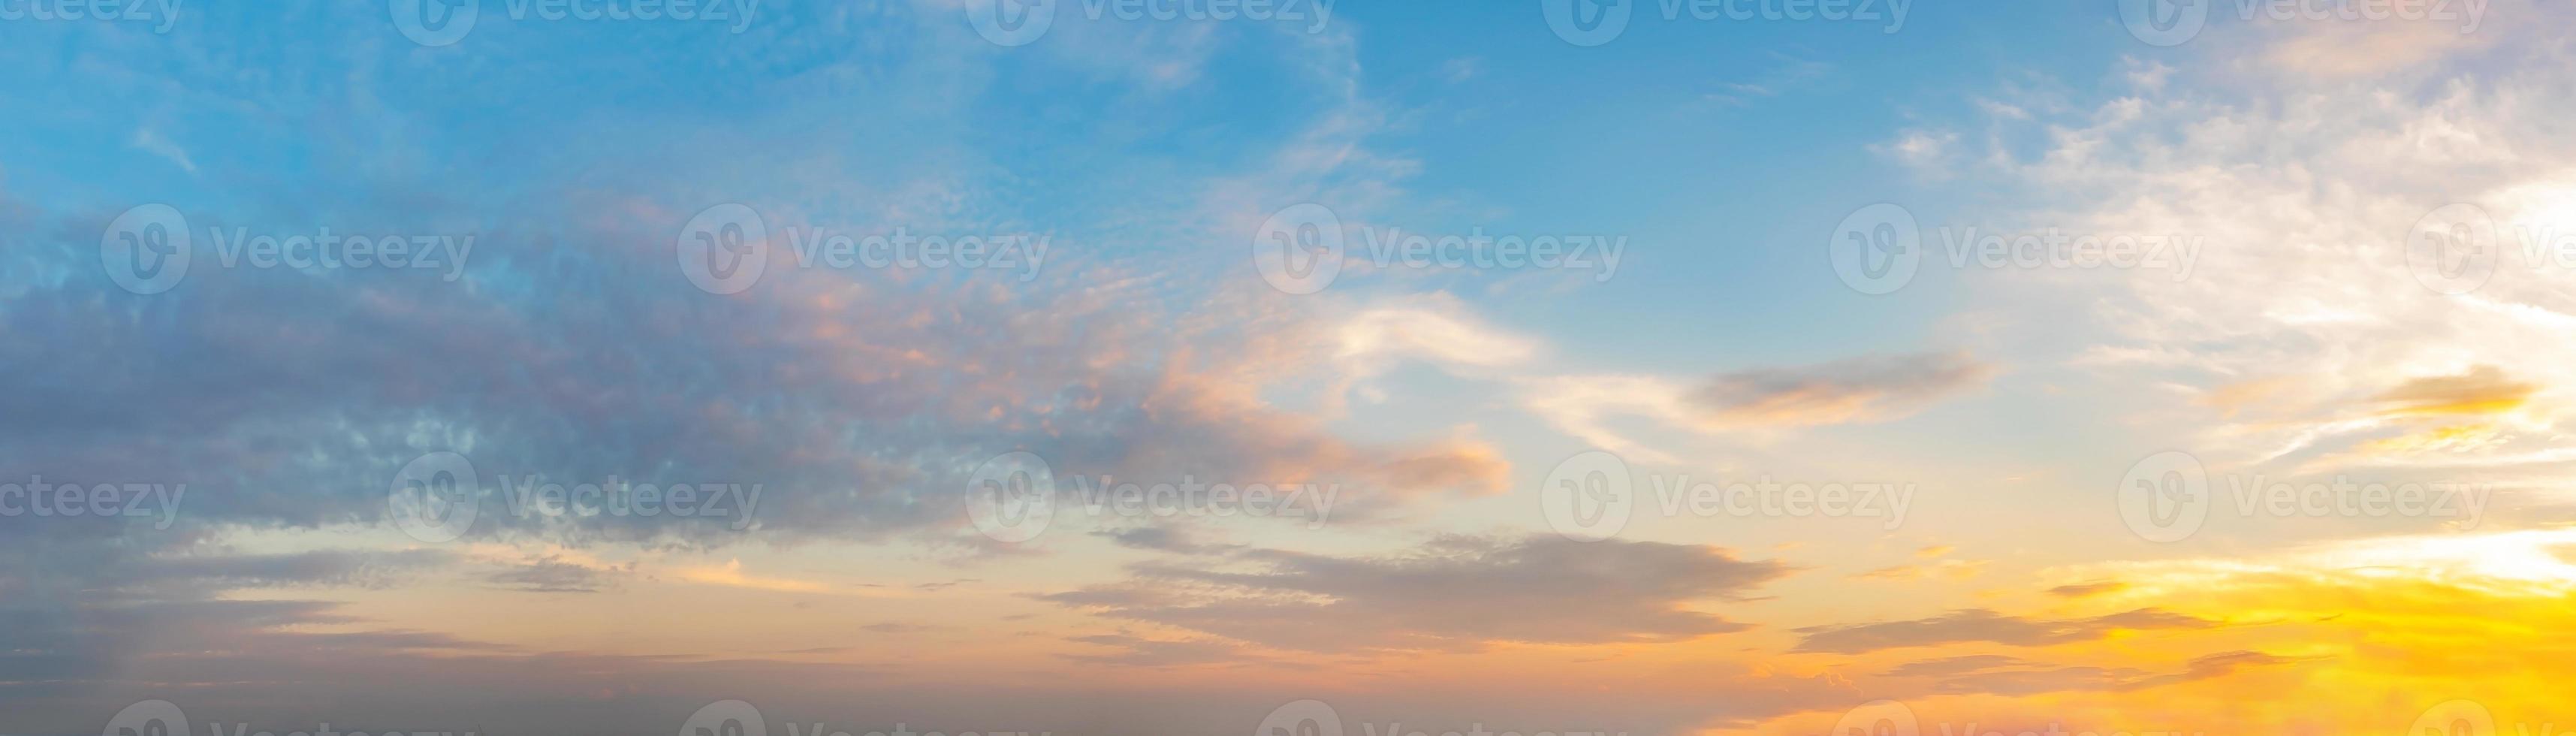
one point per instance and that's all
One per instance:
(1291, 368)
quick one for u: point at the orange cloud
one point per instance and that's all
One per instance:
(730, 574)
(2482, 390)
(2448, 438)
(2361, 636)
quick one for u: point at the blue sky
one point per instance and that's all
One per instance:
(2010, 424)
(1648, 137)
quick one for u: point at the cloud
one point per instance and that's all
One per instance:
(1785, 74)
(2002, 675)
(2340, 49)
(1140, 652)
(2087, 590)
(151, 142)
(1925, 151)
(898, 627)
(1947, 666)
(1164, 539)
(1466, 468)
(1436, 329)
(1456, 593)
(1461, 69)
(2520, 561)
(1939, 569)
(579, 356)
(317, 567)
(1586, 408)
(1866, 389)
(554, 574)
(572, 350)
(2306, 339)
(730, 574)
(1982, 625)
(1760, 400)
(2482, 390)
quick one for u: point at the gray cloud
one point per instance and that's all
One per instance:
(2006, 675)
(551, 574)
(1955, 665)
(1854, 390)
(1983, 625)
(2086, 590)
(1134, 651)
(318, 567)
(1455, 593)
(1164, 539)
(898, 627)
(286, 399)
